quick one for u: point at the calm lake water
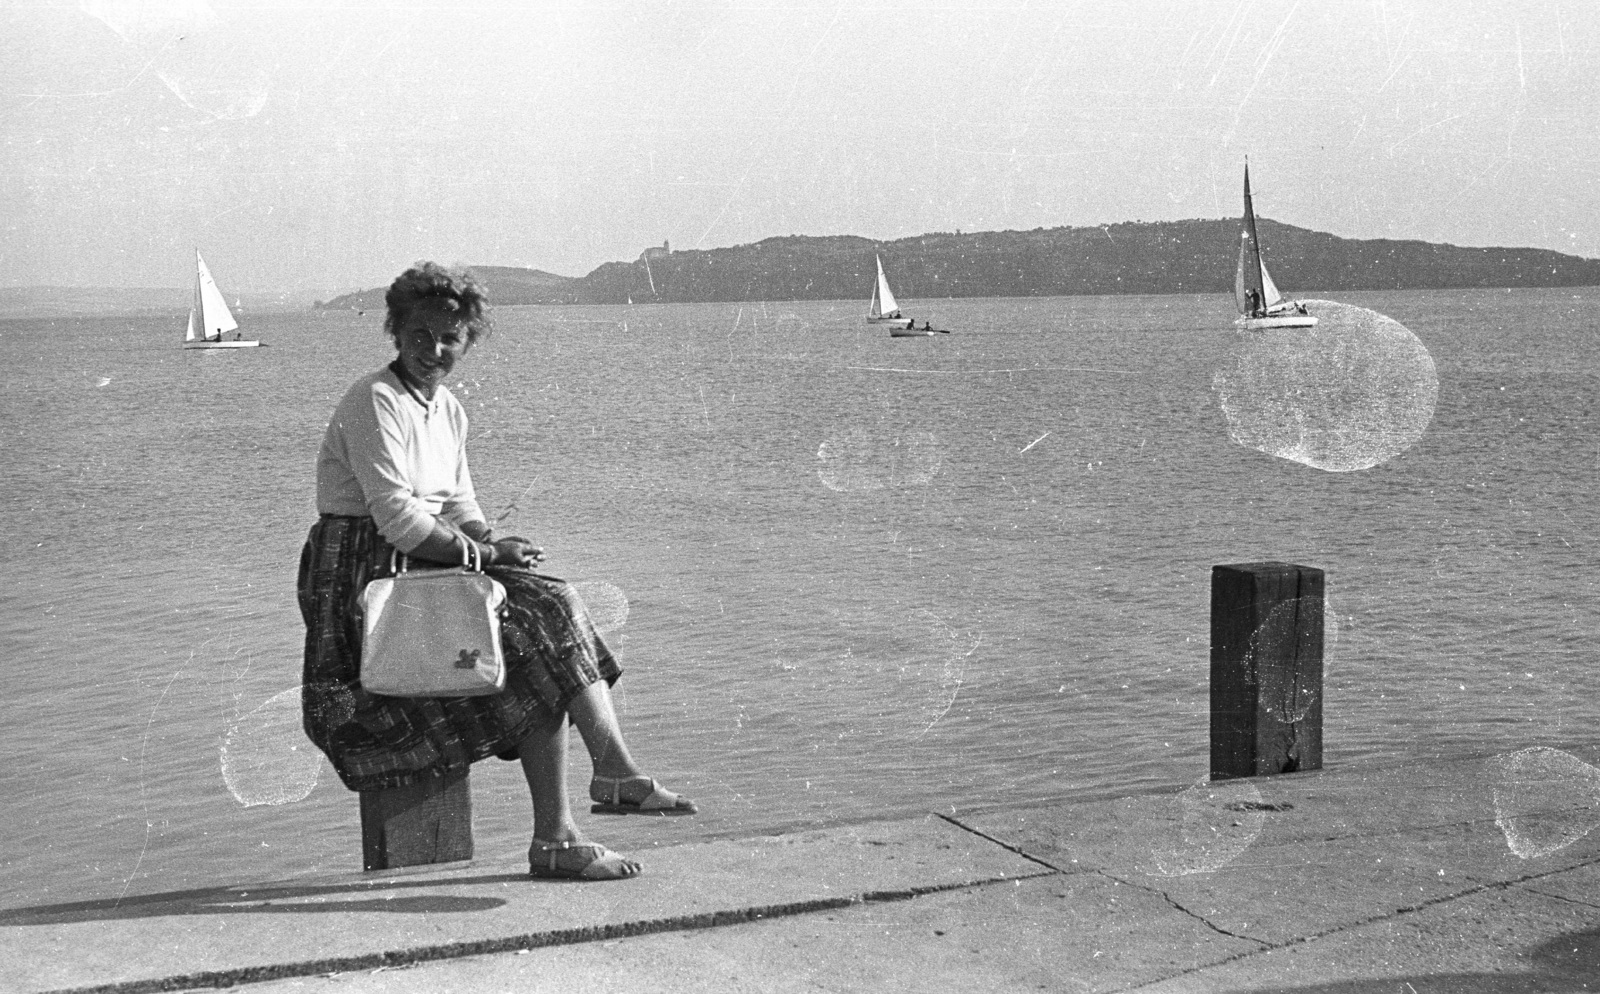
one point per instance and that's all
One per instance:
(849, 577)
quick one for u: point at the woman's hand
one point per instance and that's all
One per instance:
(514, 551)
(444, 546)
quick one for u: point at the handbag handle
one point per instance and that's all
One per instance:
(471, 558)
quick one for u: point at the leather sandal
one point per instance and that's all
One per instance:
(603, 864)
(660, 801)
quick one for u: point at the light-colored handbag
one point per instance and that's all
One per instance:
(433, 632)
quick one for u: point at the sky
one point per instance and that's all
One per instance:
(319, 147)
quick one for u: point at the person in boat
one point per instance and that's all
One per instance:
(392, 474)
(1252, 301)
(927, 325)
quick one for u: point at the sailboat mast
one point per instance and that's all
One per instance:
(1257, 275)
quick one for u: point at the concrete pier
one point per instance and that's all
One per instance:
(1471, 875)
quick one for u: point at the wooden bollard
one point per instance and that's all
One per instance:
(428, 822)
(1266, 669)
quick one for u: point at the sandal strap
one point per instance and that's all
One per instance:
(551, 848)
(617, 782)
(660, 799)
(598, 854)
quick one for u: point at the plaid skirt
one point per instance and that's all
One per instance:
(551, 649)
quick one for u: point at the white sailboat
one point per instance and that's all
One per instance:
(882, 309)
(209, 317)
(1260, 304)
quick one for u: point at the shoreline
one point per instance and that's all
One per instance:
(301, 309)
(631, 843)
(1341, 856)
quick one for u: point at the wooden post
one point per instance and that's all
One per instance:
(428, 822)
(1266, 669)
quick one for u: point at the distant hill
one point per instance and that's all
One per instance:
(507, 285)
(1134, 257)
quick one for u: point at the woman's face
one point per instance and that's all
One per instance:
(431, 341)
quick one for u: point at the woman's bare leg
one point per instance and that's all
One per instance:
(596, 718)
(544, 764)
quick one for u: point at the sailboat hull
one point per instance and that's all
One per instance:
(1276, 321)
(891, 322)
(221, 345)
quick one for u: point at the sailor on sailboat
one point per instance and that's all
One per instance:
(1260, 304)
(209, 316)
(882, 309)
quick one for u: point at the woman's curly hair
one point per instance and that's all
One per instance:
(436, 285)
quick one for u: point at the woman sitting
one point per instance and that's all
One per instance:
(392, 474)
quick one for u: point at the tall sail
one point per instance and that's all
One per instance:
(1251, 275)
(1240, 282)
(209, 307)
(886, 302)
(1270, 297)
